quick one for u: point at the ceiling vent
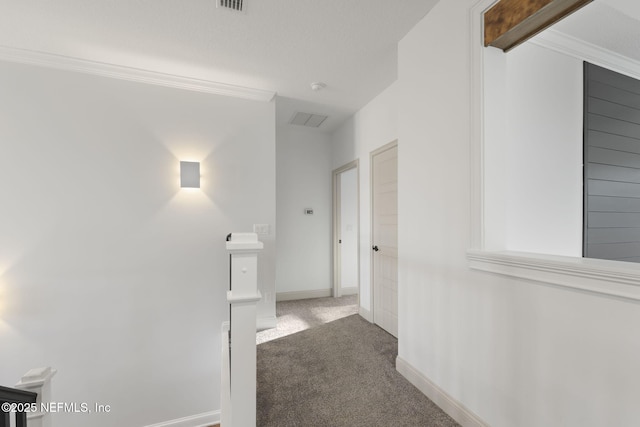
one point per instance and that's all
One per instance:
(308, 120)
(237, 5)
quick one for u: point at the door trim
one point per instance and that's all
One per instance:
(355, 164)
(374, 153)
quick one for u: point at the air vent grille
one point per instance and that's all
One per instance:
(237, 5)
(308, 119)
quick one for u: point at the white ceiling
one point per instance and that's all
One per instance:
(611, 24)
(277, 45)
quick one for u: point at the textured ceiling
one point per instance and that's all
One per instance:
(278, 45)
(611, 24)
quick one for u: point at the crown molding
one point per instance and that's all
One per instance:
(67, 63)
(572, 46)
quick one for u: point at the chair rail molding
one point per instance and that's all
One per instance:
(611, 278)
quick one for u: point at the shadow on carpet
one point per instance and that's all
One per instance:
(339, 374)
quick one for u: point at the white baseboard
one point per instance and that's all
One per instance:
(351, 290)
(366, 314)
(268, 322)
(448, 404)
(295, 295)
(201, 420)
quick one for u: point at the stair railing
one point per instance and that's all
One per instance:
(16, 403)
(238, 401)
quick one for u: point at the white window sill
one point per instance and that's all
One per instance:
(611, 278)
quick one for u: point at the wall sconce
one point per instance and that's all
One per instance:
(189, 175)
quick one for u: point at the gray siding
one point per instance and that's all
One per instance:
(611, 165)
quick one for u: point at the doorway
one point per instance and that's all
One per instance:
(384, 236)
(346, 230)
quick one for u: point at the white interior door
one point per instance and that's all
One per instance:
(384, 209)
(348, 240)
(346, 230)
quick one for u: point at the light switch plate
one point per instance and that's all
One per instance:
(261, 229)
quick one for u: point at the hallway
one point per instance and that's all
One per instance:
(338, 372)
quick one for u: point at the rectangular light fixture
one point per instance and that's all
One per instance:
(189, 175)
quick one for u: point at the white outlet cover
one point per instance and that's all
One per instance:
(261, 229)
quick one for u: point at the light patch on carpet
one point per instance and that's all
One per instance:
(299, 315)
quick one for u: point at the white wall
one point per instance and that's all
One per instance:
(108, 271)
(515, 352)
(496, 150)
(303, 181)
(349, 228)
(544, 175)
(375, 125)
(533, 151)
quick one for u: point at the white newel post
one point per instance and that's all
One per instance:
(243, 297)
(38, 380)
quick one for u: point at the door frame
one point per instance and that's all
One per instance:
(337, 285)
(372, 154)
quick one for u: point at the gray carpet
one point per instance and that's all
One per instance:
(339, 374)
(296, 316)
